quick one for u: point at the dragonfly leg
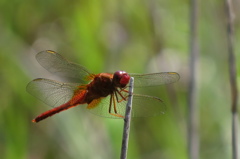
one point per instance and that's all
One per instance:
(123, 98)
(110, 105)
(114, 105)
(117, 115)
(124, 90)
(112, 100)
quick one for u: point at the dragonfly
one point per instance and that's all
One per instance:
(103, 94)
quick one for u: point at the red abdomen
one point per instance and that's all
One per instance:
(78, 98)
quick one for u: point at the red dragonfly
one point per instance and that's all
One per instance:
(105, 93)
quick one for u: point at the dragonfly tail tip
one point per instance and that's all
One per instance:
(34, 121)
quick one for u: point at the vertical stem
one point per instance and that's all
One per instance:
(232, 74)
(234, 135)
(193, 121)
(127, 120)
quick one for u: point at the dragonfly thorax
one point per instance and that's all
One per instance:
(101, 86)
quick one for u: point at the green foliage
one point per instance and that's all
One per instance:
(105, 36)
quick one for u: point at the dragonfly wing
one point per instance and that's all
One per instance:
(56, 64)
(51, 92)
(154, 79)
(146, 106)
(142, 106)
(101, 107)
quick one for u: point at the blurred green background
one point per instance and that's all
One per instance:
(137, 36)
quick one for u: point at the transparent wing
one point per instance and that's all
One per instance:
(51, 92)
(154, 79)
(102, 106)
(142, 106)
(145, 106)
(56, 64)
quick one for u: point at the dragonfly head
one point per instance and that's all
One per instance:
(121, 78)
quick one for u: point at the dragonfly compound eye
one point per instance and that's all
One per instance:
(121, 78)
